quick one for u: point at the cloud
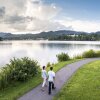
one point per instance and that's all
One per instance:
(14, 19)
(14, 6)
(36, 1)
(29, 15)
(35, 15)
(5, 28)
(81, 25)
(41, 11)
(2, 11)
(45, 25)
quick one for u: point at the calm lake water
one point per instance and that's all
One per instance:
(43, 51)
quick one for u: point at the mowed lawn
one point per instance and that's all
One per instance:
(83, 85)
(18, 89)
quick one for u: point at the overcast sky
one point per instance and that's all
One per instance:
(48, 15)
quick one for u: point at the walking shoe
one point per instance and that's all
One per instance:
(54, 88)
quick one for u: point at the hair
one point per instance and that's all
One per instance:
(51, 68)
(43, 67)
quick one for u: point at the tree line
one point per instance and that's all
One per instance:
(77, 37)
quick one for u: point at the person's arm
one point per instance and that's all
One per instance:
(46, 74)
(54, 76)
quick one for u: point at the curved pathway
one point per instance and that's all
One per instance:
(62, 76)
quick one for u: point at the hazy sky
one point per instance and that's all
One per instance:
(47, 15)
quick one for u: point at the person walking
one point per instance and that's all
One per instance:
(44, 76)
(51, 79)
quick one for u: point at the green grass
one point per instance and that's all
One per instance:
(83, 85)
(18, 89)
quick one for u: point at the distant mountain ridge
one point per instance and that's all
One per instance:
(42, 35)
(2, 34)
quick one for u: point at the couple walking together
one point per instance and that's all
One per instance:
(50, 76)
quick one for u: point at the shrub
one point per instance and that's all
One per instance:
(18, 70)
(89, 54)
(48, 64)
(78, 57)
(97, 53)
(62, 57)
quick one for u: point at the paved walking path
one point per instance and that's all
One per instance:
(62, 76)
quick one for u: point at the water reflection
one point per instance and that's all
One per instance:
(43, 51)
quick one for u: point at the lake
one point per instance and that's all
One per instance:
(43, 51)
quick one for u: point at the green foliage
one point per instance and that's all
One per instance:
(48, 64)
(18, 70)
(77, 37)
(97, 53)
(78, 57)
(89, 54)
(63, 57)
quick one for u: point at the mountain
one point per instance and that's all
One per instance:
(52, 35)
(3, 35)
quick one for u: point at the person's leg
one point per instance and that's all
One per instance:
(43, 84)
(53, 86)
(50, 83)
(46, 82)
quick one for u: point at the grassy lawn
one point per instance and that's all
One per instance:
(83, 85)
(18, 89)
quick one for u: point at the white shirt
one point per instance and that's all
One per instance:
(44, 74)
(51, 76)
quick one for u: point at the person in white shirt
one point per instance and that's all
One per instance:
(44, 76)
(51, 78)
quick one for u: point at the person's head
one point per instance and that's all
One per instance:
(51, 68)
(43, 67)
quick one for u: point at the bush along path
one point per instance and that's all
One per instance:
(61, 77)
